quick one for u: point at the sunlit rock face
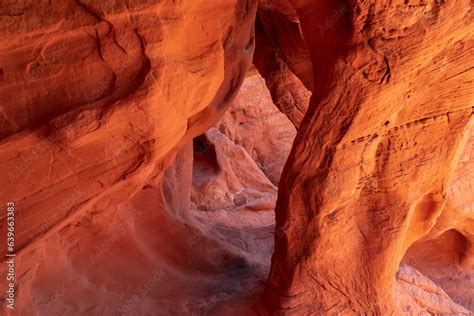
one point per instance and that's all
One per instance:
(255, 123)
(446, 254)
(373, 171)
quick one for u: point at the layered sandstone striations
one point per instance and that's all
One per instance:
(370, 172)
(96, 100)
(282, 58)
(259, 127)
(446, 254)
(100, 102)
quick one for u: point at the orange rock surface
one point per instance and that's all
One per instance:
(141, 187)
(282, 59)
(96, 100)
(370, 171)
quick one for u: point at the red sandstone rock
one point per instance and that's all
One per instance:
(445, 255)
(282, 59)
(99, 104)
(67, 145)
(256, 124)
(370, 171)
(226, 177)
(237, 164)
(96, 99)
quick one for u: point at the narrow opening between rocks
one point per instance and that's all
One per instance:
(236, 170)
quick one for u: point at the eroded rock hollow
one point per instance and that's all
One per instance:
(303, 157)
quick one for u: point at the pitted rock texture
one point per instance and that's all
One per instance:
(446, 254)
(109, 104)
(96, 100)
(371, 167)
(238, 163)
(283, 60)
(99, 105)
(418, 295)
(256, 124)
(226, 177)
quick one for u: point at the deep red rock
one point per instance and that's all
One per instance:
(371, 168)
(120, 211)
(96, 100)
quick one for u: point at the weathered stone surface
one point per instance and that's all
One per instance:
(238, 163)
(417, 295)
(371, 167)
(96, 99)
(256, 124)
(446, 255)
(282, 59)
(109, 103)
(226, 177)
(100, 101)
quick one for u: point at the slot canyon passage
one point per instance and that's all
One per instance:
(237, 157)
